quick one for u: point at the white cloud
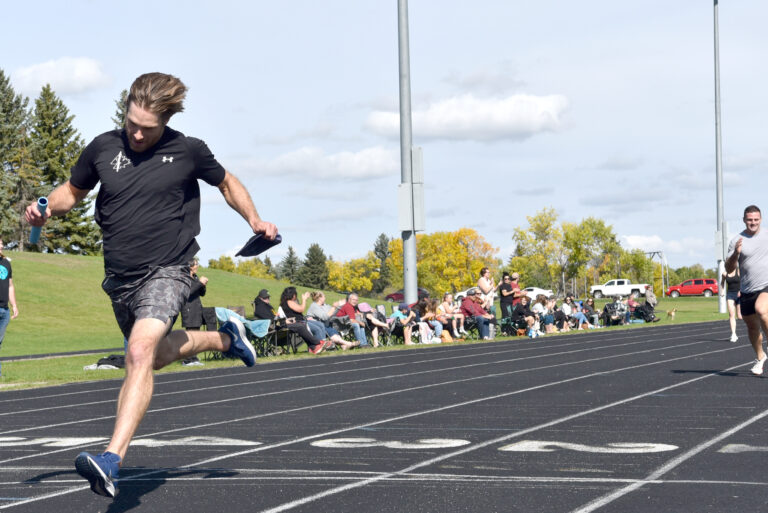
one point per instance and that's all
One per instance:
(688, 248)
(466, 117)
(67, 75)
(644, 242)
(311, 162)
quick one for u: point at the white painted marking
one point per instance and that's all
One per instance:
(355, 443)
(388, 475)
(14, 441)
(738, 448)
(334, 491)
(674, 462)
(611, 448)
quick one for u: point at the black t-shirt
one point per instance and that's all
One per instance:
(148, 204)
(262, 310)
(5, 281)
(506, 300)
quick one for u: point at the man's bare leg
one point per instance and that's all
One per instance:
(148, 350)
(138, 384)
(180, 344)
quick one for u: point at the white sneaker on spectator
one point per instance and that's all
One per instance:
(456, 334)
(757, 368)
(734, 337)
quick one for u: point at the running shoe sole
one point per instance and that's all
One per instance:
(100, 483)
(249, 357)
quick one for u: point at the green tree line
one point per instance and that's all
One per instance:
(38, 146)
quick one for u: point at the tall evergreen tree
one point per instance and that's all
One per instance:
(55, 146)
(269, 266)
(14, 158)
(314, 271)
(122, 107)
(381, 250)
(289, 266)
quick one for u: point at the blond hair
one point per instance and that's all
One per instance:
(158, 93)
(316, 295)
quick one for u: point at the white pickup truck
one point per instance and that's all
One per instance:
(618, 288)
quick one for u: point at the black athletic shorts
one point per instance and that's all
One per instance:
(748, 300)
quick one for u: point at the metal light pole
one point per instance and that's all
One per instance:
(411, 191)
(721, 231)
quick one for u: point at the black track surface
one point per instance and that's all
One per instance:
(667, 418)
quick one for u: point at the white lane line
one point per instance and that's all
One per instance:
(476, 351)
(326, 373)
(674, 462)
(312, 498)
(361, 380)
(263, 415)
(410, 415)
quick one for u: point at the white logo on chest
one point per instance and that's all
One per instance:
(120, 162)
(167, 159)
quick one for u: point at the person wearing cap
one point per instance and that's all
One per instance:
(403, 320)
(470, 307)
(262, 309)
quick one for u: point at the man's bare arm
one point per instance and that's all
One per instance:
(238, 198)
(60, 201)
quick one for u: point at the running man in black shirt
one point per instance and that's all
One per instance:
(148, 208)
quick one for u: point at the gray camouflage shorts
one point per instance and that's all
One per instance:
(159, 294)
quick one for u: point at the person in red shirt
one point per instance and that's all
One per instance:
(358, 326)
(471, 308)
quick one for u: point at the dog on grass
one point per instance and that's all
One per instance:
(671, 314)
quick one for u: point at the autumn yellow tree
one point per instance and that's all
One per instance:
(356, 275)
(445, 261)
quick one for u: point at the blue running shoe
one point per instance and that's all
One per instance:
(100, 470)
(240, 346)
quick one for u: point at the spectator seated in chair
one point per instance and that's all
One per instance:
(543, 313)
(614, 313)
(573, 312)
(296, 322)
(319, 317)
(522, 316)
(452, 314)
(349, 309)
(470, 307)
(588, 309)
(403, 321)
(375, 322)
(262, 308)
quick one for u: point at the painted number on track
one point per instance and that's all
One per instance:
(612, 448)
(355, 443)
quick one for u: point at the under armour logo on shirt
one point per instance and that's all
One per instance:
(167, 159)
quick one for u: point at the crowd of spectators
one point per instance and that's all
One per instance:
(349, 323)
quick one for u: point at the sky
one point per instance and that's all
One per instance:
(594, 108)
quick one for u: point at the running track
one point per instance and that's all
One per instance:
(666, 418)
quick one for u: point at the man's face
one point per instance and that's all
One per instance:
(752, 221)
(353, 300)
(143, 128)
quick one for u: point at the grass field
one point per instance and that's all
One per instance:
(63, 309)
